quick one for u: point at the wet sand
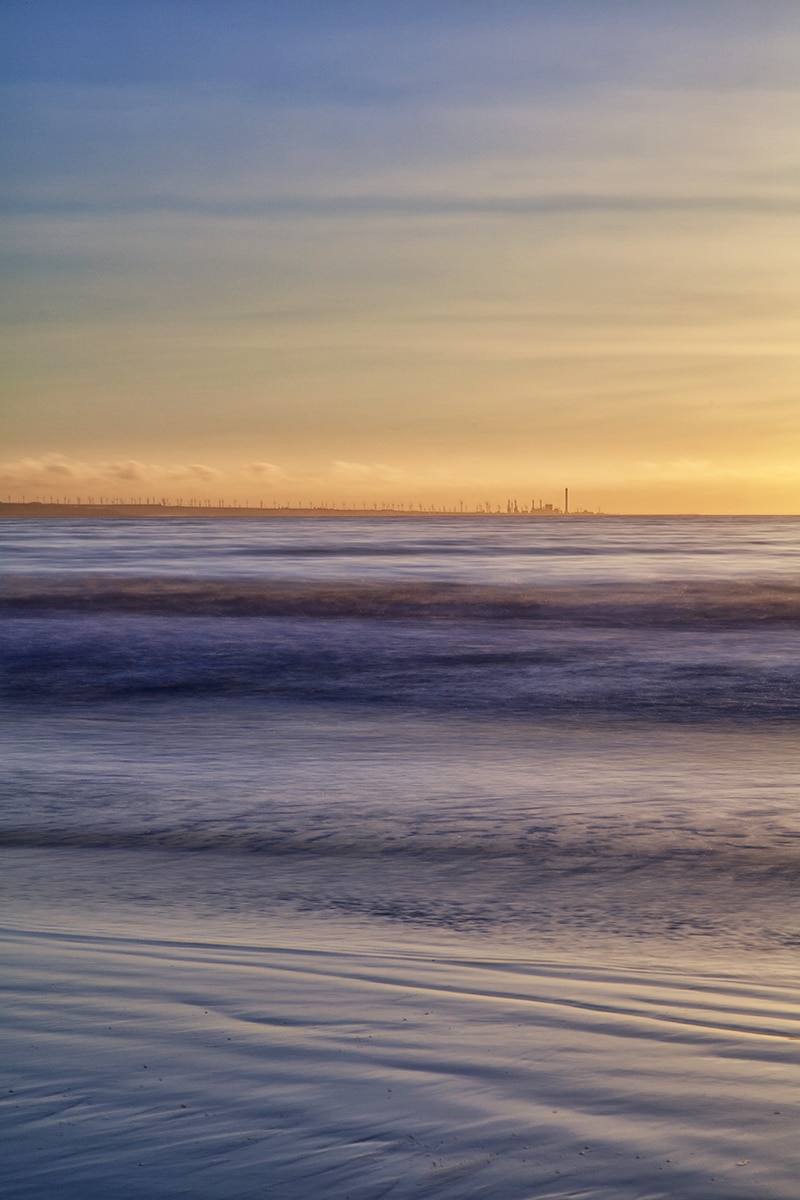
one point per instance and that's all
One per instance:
(320, 1064)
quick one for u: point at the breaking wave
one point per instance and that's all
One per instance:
(712, 603)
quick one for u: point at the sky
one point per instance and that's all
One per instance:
(438, 252)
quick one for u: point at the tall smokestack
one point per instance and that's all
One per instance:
(566, 500)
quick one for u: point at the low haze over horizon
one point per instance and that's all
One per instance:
(420, 253)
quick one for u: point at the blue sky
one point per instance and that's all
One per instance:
(411, 249)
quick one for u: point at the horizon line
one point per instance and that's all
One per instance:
(155, 509)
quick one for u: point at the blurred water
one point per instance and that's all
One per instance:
(449, 549)
(527, 728)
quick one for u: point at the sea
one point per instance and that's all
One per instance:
(564, 744)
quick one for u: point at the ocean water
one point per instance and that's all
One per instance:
(522, 728)
(502, 725)
(570, 742)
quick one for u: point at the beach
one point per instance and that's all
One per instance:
(187, 1068)
(363, 859)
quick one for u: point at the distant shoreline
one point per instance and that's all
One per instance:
(38, 509)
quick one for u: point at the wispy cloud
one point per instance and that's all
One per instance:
(266, 471)
(50, 468)
(357, 472)
(708, 471)
(547, 204)
(56, 470)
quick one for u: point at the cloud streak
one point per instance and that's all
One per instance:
(411, 206)
(55, 470)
